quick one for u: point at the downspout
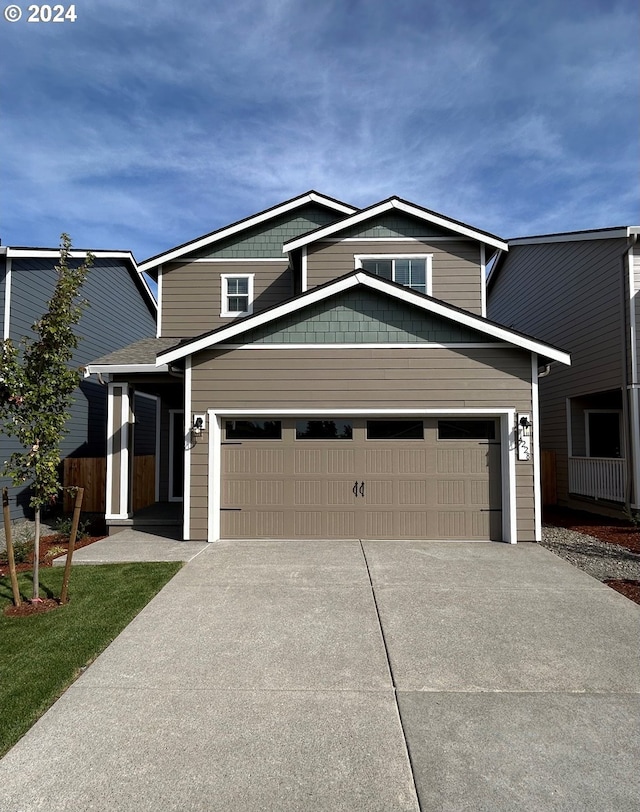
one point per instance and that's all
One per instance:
(628, 386)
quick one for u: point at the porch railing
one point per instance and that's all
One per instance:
(600, 478)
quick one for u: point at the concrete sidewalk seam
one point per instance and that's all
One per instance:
(393, 681)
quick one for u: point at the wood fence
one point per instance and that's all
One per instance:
(90, 473)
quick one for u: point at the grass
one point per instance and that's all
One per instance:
(41, 655)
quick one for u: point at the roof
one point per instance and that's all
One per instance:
(351, 280)
(22, 252)
(137, 357)
(613, 233)
(255, 219)
(616, 232)
(401, 205)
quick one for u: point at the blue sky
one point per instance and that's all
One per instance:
(146, 124)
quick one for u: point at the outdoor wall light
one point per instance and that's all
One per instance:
(524, 437)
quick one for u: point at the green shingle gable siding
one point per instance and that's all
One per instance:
(362, 317)
(393, 225)
(265, 241)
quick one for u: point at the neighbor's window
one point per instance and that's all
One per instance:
(395, 430)
(411, 271)
(253, 430)
(237, 295)
(324, 430)
(466, 430)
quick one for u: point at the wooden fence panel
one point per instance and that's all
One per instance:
(144, 481)
(549, 478)
(89, 473)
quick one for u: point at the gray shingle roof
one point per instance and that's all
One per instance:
(140, 352)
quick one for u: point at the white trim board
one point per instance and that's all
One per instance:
(414, 345)
(186, 511)
(241, 225)
(159, 319)
(506, 415)
(123, 369)
(386, 206)
(7, 300)
(535, 447)
(223, 260)
(428, 239)
(375, 283)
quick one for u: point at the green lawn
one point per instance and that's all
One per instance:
(41, 655)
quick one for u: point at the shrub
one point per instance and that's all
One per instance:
(62, 527)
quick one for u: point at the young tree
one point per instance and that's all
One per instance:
(36, 386)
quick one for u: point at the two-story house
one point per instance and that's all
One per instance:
(329, 372)
(121, 309)
(580, 290)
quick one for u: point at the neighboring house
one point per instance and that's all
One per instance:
(121, 309)
(580, 290)
(328, 372)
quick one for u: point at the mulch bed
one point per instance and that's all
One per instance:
(611, 531)
(47, 543)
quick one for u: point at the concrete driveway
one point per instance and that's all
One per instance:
(347, 676)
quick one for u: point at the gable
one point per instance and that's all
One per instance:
(394, 225)
(362, 316)
(265, 240)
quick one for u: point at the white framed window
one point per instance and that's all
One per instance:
(411, 270)
(237, 294)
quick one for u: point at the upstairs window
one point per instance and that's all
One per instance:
(412, 271)
(237, 294)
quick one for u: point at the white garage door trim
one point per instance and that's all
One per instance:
(507, 418)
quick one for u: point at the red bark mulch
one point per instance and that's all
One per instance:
(46, 544)
(611, 531)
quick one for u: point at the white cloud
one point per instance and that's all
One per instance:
(163, 122)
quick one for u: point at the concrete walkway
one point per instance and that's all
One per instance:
(345, 676)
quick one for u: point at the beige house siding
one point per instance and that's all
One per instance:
(192, 293)
(568, 294)
(456, 265)
(340, 379)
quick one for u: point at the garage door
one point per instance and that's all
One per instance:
(361, 478)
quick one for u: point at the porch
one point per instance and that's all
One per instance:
(159, 518)
(598, 477)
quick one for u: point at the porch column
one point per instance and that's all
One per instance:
(119, 451)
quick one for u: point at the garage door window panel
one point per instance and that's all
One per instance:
(466, 430)
(324, 430)
(395, 430)
(253, 430)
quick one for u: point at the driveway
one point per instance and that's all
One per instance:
(352, 676)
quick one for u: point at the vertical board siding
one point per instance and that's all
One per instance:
(117, 315)
(568, 294)
(192, 293)
(342, 379)
(455, 269)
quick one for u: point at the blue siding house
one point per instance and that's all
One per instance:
(122, 309)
